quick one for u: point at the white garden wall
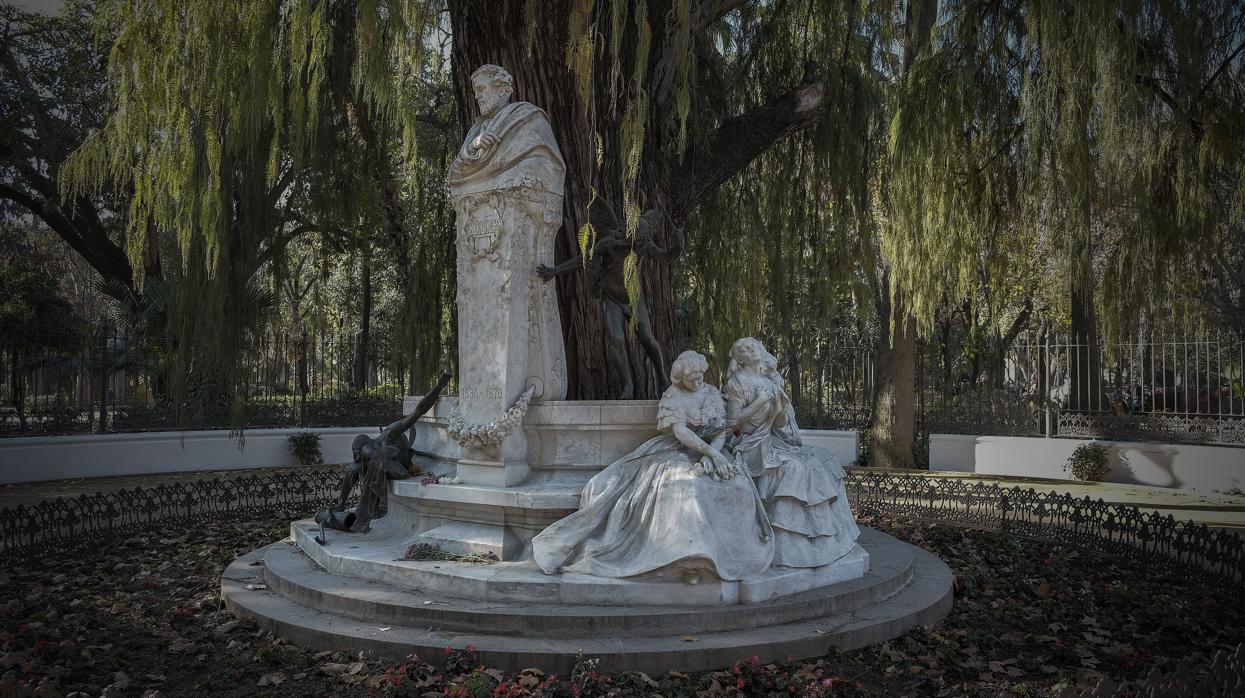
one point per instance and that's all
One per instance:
(1180, 466)
(841, 443)
(38, 458)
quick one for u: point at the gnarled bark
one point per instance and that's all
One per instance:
(491, 32)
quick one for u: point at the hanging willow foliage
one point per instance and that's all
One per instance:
(579, 47)
(1113, 132)
(786, 251)
(230, 133)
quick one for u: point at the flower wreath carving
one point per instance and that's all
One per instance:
(491, 434)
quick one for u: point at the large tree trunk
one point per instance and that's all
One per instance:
(894, 403)
(1085, 366)
(491, 32)
(486, 31)
(363, 345)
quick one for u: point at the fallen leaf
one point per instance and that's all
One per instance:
(1043, 590)
(273, 679)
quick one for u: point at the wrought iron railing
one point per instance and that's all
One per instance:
(1223, 675)
(1184, 389)
(57, 526)
(107, 381)
(1164, 543)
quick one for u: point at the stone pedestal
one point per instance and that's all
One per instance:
(506, 185)
(565, 443)
(510, 336)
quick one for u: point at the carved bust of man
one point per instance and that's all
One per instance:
(510, 144)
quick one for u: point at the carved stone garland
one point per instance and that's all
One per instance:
(491, 434)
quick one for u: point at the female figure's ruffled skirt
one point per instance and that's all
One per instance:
(805, 500)
(807, 506)
(649, 512)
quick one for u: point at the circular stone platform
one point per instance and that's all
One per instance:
(517, 618)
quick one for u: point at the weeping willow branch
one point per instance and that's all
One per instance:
(708, 12)
(739, 140)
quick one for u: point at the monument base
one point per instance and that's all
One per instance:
(377, 556)
(517, 618)
(339, 595)
(499, 507)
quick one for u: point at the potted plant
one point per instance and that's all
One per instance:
(1089, 462)
(305, 445)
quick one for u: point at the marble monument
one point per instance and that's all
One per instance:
(506, 187)
(620, 527)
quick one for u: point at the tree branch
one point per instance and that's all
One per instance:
(1215, 76)
(739, 141)
(282, 183)
(710, 11)
(28, 90)
(89, 241)
(278, 242)
(1164, 96)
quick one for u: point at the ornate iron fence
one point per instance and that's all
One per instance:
(57, 526)
(1163, 543)
(1224, 675)
(112, 382)
(61, 525)
(1186, 388)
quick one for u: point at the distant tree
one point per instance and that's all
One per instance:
(256, 120)
(52, 95)
(32, 306)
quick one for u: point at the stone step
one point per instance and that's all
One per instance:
(924, 601)
(377, 556)
(555, 492)
(291, 573)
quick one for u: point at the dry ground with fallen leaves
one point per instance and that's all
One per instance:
(141, 616)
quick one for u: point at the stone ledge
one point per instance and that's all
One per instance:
(924, 601)
(378, 557)
(557, 494)
(298, 577)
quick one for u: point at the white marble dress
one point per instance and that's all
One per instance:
(650, 512)
(801, 485)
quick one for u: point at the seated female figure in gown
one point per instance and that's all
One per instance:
(802, 486)
(675, 506)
